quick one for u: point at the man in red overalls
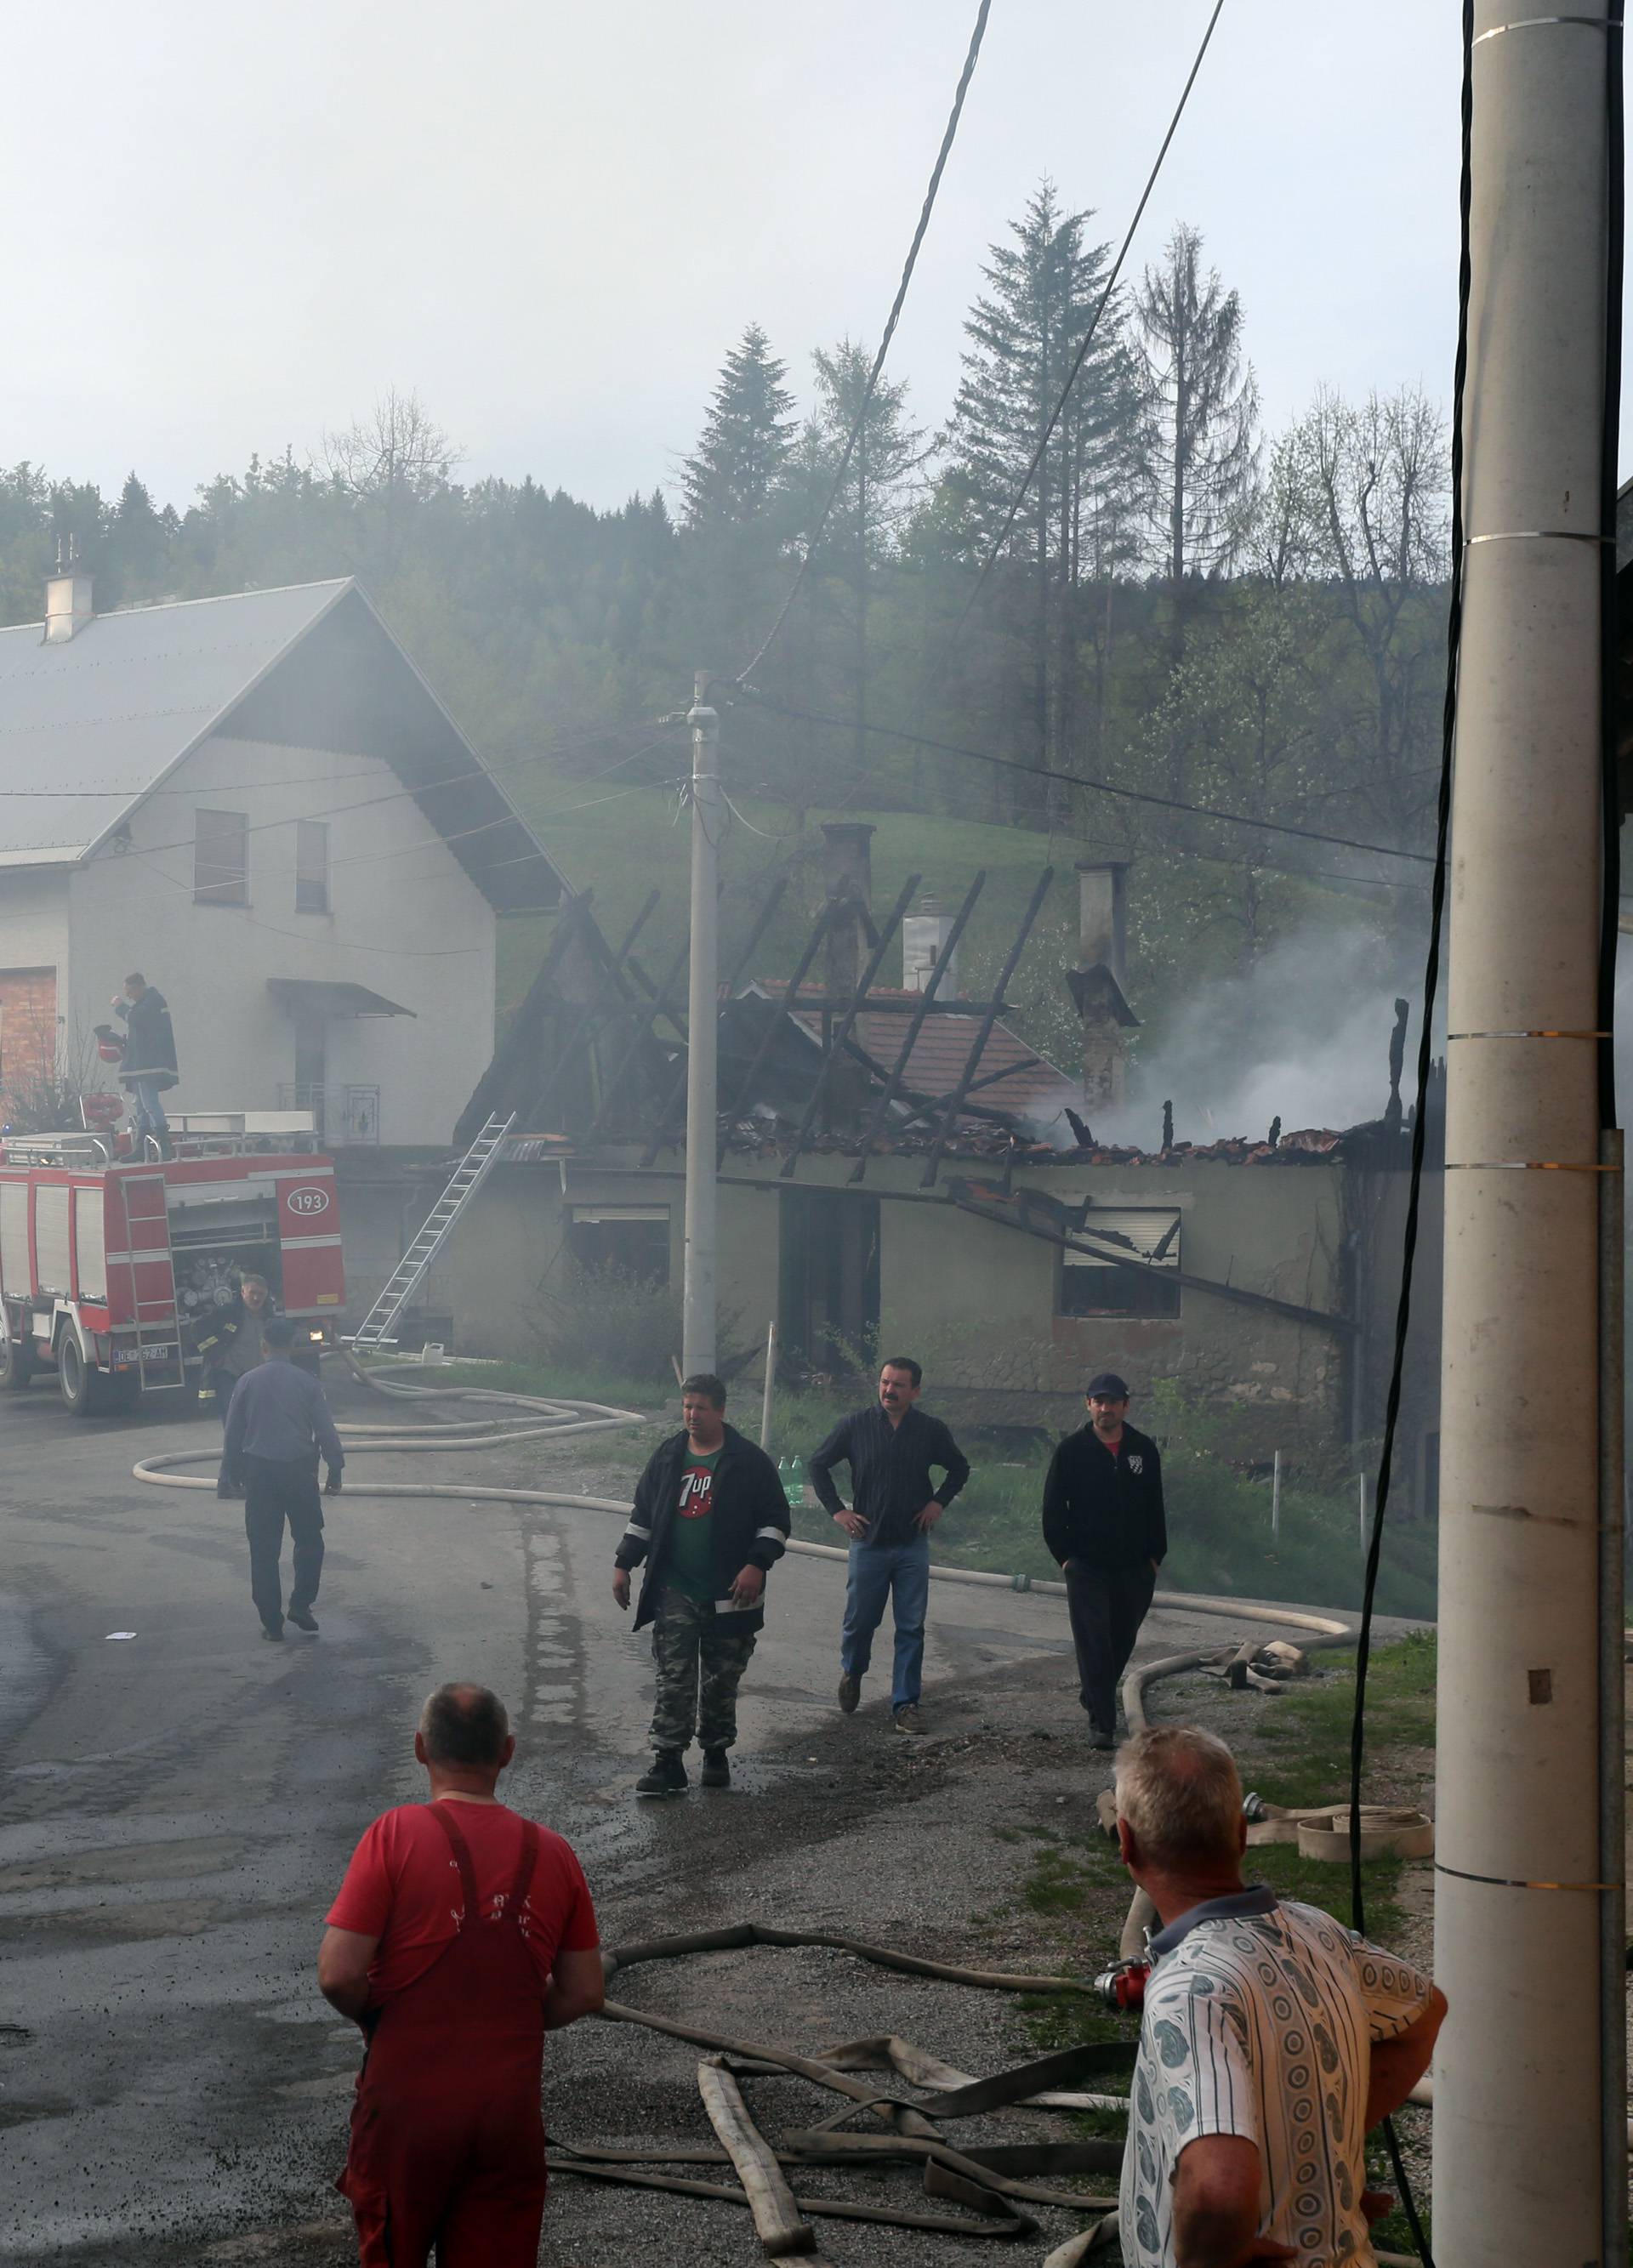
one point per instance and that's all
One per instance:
(461, 1934)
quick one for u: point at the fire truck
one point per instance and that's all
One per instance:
(111, 1262)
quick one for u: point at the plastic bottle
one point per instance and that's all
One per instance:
(796, 1481)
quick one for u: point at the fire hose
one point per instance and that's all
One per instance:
(558, 1420)
(988, 2184)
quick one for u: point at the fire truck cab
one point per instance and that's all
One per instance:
(111, 1262)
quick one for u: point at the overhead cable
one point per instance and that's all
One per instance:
(965, 76)
(1087, 340)
(1083, 780)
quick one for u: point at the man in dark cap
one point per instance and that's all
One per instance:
(1102, 1521)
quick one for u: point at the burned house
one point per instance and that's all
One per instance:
(896, 1163)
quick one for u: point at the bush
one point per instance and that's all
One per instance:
(606, 1320)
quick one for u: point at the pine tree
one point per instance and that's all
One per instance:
(1023, 333)
(747, 438)
(864, 527)
(1201, 402)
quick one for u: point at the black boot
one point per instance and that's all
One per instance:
(716, 1770)
(666, 1777)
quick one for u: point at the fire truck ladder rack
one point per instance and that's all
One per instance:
(70, 1149)
(472, 1170)
(147, 1260)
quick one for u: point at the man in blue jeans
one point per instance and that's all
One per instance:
(890, 1450)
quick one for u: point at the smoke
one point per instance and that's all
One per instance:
(1304, 1039)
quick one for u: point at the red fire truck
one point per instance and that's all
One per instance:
(110, 1263)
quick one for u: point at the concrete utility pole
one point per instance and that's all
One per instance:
(702, 1085)
(1523, 2093)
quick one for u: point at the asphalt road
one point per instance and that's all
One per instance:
(177, 1805)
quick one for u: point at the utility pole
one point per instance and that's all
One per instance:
(1524, 2092)
(698, 1352)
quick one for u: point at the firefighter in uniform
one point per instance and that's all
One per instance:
(230, 1344)
(455, 1992)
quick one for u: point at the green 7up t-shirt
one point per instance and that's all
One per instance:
(690, 1558)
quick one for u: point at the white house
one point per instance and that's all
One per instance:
(259, 803)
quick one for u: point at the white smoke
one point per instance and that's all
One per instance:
(1305, 1038)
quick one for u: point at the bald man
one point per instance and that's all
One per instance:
(454, 1983)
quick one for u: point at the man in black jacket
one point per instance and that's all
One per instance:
(1102, 1521)
(710, 1518)
(889, 1449)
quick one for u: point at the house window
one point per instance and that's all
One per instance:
(310, 866)
(633, 1240)
(1090, 1285)
(220, 859)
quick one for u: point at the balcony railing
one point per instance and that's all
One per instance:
(345, 1117)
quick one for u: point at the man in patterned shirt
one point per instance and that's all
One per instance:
(1274, 2040)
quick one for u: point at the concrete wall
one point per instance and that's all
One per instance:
(406, 921)
(982, 1297)
(974, 1299)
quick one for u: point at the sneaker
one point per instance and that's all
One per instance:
(907, 1718)
(850, 1693)
(276, 1635)
(666, 1777)
(716, 1769)
(302, 1618)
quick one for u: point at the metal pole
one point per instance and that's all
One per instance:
(1517, 2084)
(771, 1380)
(1275, 1499)
(1361, 1509)
(702, 1037)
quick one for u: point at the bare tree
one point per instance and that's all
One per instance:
(1378, 481)
(395, 452)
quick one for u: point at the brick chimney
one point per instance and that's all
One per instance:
(1097, 983)
(925, 933)
(847, 885)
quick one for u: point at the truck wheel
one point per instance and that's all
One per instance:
(85, 1390)
(16, 1363)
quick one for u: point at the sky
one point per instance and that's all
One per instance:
(234, 227)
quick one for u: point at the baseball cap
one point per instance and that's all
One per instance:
(1107, 1381)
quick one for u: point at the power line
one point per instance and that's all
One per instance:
(1081, 780)
(428, 787)
(1111, 283)
(965, 76)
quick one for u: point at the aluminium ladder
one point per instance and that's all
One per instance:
(472, 1170)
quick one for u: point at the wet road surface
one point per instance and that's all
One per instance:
(177, 1807)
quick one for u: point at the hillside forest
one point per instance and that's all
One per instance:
(1207, 647)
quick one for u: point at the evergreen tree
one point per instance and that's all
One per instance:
(864, 527)
(138, 544)
(1024, 334)
(747, 438)
(1201, 404)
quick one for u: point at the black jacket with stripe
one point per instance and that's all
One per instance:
(1105, 1511)
(748, 1520)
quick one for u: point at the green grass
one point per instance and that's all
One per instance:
(1078, 1881)
(1218, 1521)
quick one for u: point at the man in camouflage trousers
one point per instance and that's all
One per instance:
(709, 1518)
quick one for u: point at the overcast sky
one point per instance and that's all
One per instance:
(231, 226)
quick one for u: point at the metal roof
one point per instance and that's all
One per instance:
(332, 998)
(90, 726)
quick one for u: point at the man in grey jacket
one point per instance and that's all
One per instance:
(277, 1426)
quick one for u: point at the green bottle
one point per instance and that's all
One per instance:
(796, 1486)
